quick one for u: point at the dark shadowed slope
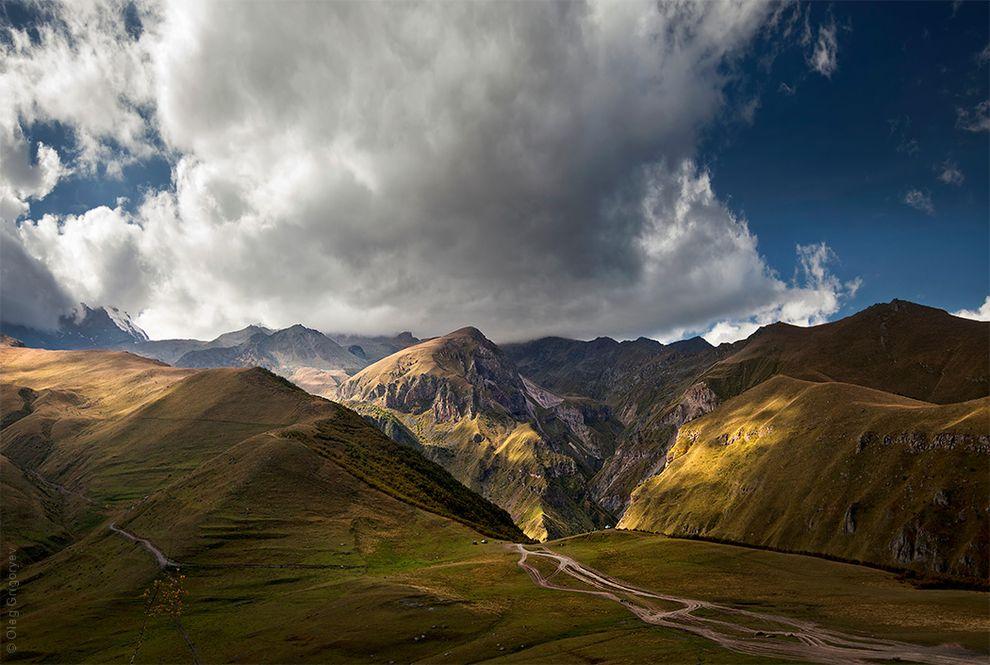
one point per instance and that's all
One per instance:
(593, 369)
(30, 515)
(898, 347)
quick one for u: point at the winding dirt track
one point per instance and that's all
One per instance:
(168, 564)
(781, 637)
(163, 561)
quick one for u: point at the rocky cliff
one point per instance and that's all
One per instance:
(468, 408)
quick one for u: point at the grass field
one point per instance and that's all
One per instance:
(427, 593)
(842, 596)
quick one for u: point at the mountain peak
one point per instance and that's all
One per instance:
(468, 331)
(117, 317)
(84, 328)
(459, 373)
(644, 343)
(7, 340)
(691, 345)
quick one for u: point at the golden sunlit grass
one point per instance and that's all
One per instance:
(804, 466)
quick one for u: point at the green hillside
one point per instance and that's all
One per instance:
(76, 433)
(835, 469)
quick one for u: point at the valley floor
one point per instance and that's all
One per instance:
(430, 594)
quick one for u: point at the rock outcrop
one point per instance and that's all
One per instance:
(468, 408)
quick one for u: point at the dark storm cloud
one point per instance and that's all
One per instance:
(526, 168)
(29, 295)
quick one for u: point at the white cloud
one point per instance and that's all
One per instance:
(814, 295)
(84, 71)
(526, 168)
(981, 314)
(976, 119)
(824, 57)
(21, 177)
(919, 200)
(949, 173)
(97, 256)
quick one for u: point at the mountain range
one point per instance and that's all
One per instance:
(565, 434)
(169, 512)
(309, 358)
(865, 438)
(119, 429)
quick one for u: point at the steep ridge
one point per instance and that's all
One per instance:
(322, 472)
(466, 406)
(638, 380)
(630, 376)
(835, 469)
(596, 369)
(660, 397)
(898, 347)
(131, 427)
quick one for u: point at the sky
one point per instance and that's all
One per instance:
(579, 169)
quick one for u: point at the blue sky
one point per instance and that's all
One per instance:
(580, 171)
(833, 160)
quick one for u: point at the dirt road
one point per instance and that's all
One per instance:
(744, 631)
(163, 561)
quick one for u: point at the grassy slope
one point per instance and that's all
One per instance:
(112, 382)
(782, 465)
(899, 347)
(185, 421)
(30, 519)
(509, 466)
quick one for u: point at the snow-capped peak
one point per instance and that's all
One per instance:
(123, 320)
